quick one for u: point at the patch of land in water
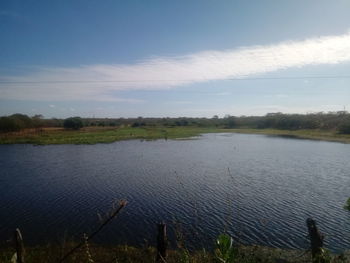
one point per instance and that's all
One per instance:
(322, 135)
(93, 135)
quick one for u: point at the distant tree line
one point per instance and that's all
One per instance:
(337, 121)
(17, 122)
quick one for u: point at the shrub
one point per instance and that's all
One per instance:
(22, 120)
(74, 123)
(7, 124)
(344, 128)
(15, 122)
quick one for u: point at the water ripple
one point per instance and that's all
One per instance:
(260, 189)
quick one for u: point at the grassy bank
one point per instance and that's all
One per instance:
(322, 135)
(92, 135)
(126, 254)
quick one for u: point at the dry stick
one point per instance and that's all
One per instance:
(122, 204)
(19, 246)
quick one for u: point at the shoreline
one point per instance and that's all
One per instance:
(316, 135)
(93, 135)
(147, 254)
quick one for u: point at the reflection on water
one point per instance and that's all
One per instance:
(260, 189)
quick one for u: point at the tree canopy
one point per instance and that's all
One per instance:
(335, 121)
(74, 123)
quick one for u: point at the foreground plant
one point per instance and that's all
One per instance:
(225, 252)
(323, 257)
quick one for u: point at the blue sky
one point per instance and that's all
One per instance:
(173, 58)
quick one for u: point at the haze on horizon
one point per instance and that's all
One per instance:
(164, 58)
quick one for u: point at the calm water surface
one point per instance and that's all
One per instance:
(258, 188)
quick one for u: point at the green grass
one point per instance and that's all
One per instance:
(147, 254)
(106, 135)
(322, 135)
(93, 135)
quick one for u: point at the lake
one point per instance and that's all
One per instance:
(260, 189)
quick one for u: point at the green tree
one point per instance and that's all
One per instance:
(344, 127)
(8, 125)
(15, 122)
(22, 120)
(74, 123)
(230, 122)
(37, 120)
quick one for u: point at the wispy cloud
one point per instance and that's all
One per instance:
(100, 82)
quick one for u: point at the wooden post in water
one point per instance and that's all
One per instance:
(316, 238)
(19, 246)
(162, 243)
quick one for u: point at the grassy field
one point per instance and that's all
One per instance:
(92, 135)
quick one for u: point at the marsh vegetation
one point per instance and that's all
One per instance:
(19, 128)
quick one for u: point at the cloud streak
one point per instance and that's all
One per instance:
(101, 82)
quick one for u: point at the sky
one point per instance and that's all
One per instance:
(195, 58)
